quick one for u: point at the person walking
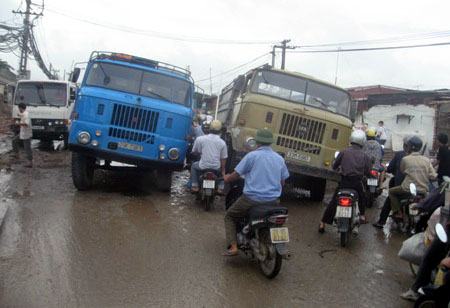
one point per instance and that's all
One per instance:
(24, 136)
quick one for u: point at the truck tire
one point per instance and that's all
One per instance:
(317, 189)
(82, 171)
(162, 179)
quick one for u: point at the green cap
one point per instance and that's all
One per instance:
(264, 136)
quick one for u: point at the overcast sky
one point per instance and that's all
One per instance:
(64, 40)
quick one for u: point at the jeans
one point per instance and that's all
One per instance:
(350, 182)
(433, 256)
(26, 144)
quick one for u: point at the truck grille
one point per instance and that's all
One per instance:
(134, 118)
(131, 135)
(299, 130)
(302, 128)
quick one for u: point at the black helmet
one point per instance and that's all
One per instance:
(414, 144)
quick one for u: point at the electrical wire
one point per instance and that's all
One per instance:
(162, 35)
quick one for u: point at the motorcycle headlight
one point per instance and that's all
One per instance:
(174, 154)
(336, 154)
(84, 137)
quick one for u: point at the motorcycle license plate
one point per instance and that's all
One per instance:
(209, 184)
(372, 182)
(38, 127)
(279, 235)
(343, 212)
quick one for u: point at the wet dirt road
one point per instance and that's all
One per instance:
(126, 244)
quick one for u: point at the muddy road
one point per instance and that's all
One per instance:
(126, 244)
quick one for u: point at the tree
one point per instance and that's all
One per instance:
(5, 65)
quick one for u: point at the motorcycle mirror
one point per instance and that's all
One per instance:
(446, 179)
(440, 232)
(413, 189)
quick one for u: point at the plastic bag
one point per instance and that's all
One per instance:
(413, 249)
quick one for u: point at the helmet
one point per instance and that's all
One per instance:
(215, 125)
(414, 144)
(264, 136)
(358, 137)
(371, 132)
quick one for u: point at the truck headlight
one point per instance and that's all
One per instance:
(162, 147)
(251, 143)
(84, 137)
(174, 154)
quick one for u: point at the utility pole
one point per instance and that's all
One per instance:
(25, 38)
(283, 48)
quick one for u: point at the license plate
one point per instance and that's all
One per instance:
(209, 184)
(343, 212)
(37, 127)
(372, 182)
(130, 146)
(279, 235)
(298, 156)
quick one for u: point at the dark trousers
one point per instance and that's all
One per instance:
(350, 182)
(433, 256)
(384, 214)
(26, 145)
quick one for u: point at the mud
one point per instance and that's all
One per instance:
(126, 244)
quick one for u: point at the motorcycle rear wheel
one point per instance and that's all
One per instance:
(425, 302)
(270, 267)
(208, 202)
(343, 238)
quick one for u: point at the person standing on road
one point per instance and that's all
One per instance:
(443, 157)
(213, 154)
(354, 165)
(24, 136)
(381, 133)
(265, 173)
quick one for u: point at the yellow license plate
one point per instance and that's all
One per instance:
(130, 146)
(279, 235)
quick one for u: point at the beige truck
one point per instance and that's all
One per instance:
(310, 120)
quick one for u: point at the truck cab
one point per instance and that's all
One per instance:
(49, 105)
(131, 110)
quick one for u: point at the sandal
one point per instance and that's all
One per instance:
(230, 253)
(321, 229)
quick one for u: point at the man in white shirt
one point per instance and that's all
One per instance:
(381, 133)
(24, 136)
(213, 151)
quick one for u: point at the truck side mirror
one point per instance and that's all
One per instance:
(73, 94)
(75, 74)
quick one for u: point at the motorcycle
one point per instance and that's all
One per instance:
(412, 215)
(373, 189)
(210, 182)
(347, 214)
(262, 236)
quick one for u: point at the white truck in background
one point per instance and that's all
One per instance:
(49, 104)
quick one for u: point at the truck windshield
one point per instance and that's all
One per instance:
(303, 91)
(140, 82)
(41, 93)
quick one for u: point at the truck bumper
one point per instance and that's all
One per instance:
(121, 158)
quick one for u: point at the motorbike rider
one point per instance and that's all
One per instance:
(354, 165)
(417, 169)
(373, 148)
(265, 173)
(213, 154)
(393, 168)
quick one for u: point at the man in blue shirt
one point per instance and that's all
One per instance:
(265, 172)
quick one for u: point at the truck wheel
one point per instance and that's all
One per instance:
(317, 188)
(163, 179)
(82, 171)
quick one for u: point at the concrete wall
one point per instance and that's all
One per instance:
(422, 123)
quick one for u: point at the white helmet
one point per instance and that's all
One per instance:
(358, 137)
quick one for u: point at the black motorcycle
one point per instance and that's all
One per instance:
(262, 236)
(347, 214)
(209, 183)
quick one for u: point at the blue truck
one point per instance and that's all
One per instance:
(130, 110)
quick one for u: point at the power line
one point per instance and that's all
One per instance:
(234, 68)
(370, 48)
(162, 35)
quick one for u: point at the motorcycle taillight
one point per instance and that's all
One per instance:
(374, 173)
(278, 219)
(209, 176)
(345, 201)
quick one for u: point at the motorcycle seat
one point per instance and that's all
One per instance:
(262, 211)
(215, 171)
